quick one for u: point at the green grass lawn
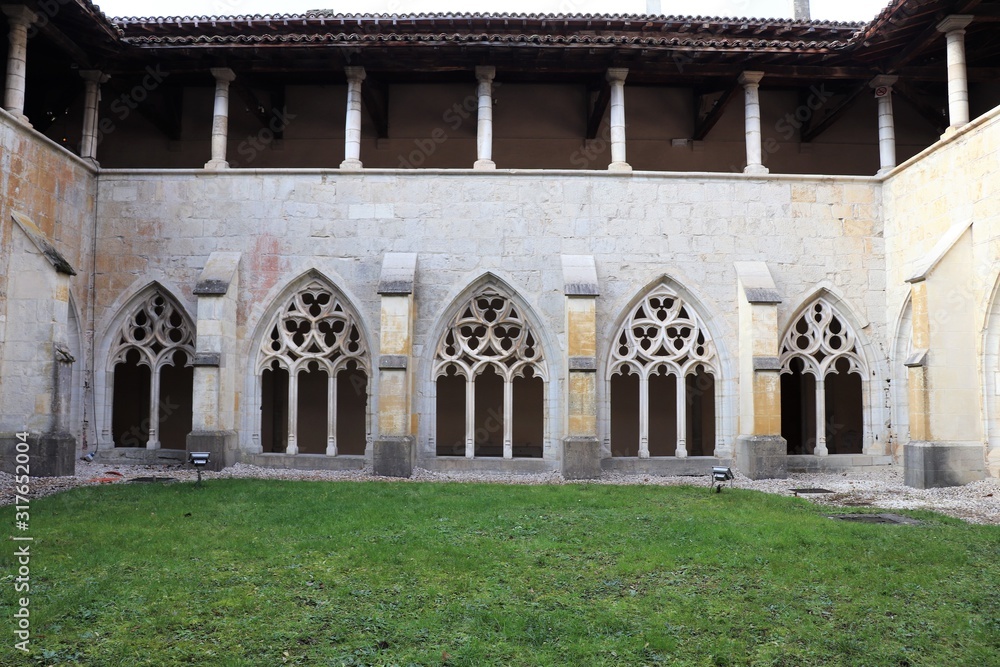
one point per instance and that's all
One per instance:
(247, 572)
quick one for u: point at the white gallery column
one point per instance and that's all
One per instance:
(953, 28)
(751, 94)
(882, 85)
(20, 19)
(352, 133)
(92, 98)
(220, 122)
(484, 126)
(616, 77)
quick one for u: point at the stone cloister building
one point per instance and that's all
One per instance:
(522, 243)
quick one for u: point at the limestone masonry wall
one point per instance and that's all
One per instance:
(813, 232)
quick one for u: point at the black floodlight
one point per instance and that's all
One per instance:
(199, 460)
(720, 475)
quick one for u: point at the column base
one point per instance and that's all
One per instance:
(624, 167)
(49, 454)
(484, 165)
(216, 165)
(762, 456)
(221, 446)
(20, 117)
(581, 458)
(927, 465)
(393, 457)
(756, 169)
(351, 165)
(884, 170)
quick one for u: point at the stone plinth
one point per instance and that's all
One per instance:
(581, 458)
(221, 445)
(393, 457)
(49, 454)
(762, 456)
(934, 464)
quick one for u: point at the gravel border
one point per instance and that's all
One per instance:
(978, 502)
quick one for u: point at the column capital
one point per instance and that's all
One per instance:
(95, 75)
(355, 73)
(955, 22)
(223, 74)
(750, 78)
(616, 74)
(19, 14)
(485, 73)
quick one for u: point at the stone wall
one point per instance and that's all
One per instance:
(813, 232)
(45, 310)
(942, 227)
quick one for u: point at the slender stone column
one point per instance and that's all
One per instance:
(820, 449)
(484, 126)
(92, 99)
(220, 123)
(958, 86)
(751, 91)
(681, 451)
(616, 77)
(352, 134)
(886, 125)
(20, 19)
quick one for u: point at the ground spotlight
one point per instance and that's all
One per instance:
(720, 475)
(199, 460)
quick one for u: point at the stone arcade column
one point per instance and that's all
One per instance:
(352, 133)
(394, 451)
(220, 123)
(751, 93)
(36, 361)
(213, 420)
(92, 99)
(882, 85)
(581, 456)
(958, 86)
(616, 77)
(484, 125)
(761, 452)
(20, 19)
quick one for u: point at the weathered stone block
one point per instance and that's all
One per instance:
(49, 454)
(221, 445)
(762, 456)
(393, 457)
(581, 458)
(934, 464)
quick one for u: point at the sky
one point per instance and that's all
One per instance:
(843, 10)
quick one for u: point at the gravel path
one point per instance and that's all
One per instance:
(978, 502)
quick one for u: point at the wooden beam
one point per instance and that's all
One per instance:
(595, 114)
(811, 131)
(59, 38)
(933, 116)
(375, 95)
(165, 122)
(254, 105)
(705, 125)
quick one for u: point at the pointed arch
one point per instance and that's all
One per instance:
(664, 376)
(828, 402)
(149, 355)
(490, 375)
(902, 348)
(991, 379)
(311, 372)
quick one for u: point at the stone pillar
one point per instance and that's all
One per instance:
(581, 456)
(958, 86)
(943, 370)
(92, 99)
(213, 421)
(882, 85)
(394, 451)
(37, 363)
(616, 78)
(20, 19)
(352, 133)
(751, 95)
(220, 122)
(484, 126)
(761, 452)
